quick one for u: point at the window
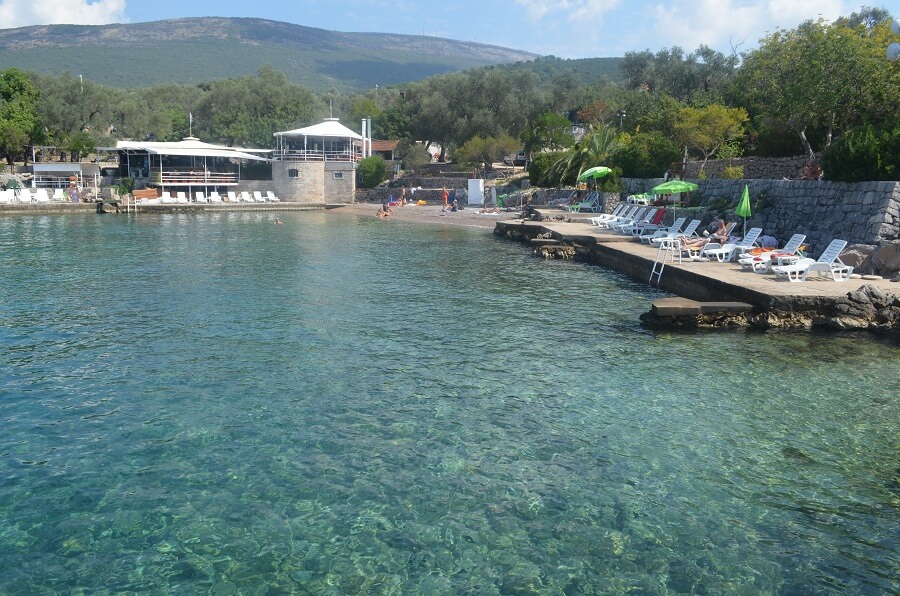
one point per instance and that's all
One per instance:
(293, 173)
(338, 175)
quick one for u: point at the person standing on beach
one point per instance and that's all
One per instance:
(445, 197)
(403, 196)
(73, 193)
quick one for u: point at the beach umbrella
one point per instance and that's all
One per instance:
(743, 208)
(595, 172)
(673, 187)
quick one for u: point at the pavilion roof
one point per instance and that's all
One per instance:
(190, 147)
(330, 127)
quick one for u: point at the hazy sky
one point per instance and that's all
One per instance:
(564, 28)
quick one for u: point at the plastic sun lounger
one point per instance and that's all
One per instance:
(607, 219)
(762, 262)
(271, 197)
(725, 252)
(644, 220)
(673, 237)
(827, 265)
(647, 235)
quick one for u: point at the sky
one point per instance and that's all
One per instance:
(563, 28)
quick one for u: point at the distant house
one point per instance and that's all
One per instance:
(384, 148)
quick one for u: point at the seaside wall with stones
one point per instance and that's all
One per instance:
(860, 213)
(774, 168)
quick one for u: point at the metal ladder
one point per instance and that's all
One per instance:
(659, 264)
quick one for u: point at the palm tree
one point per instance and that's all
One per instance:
(594, 149)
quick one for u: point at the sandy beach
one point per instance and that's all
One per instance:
(432, 214)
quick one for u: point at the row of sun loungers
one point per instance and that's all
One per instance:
(27, 195)
(214, 197)
(787, 262)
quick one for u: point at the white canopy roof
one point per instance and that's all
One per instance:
(60, 166)
(330, 127)
(190, 147)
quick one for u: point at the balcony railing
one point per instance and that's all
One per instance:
(193, 178)
(316, 155)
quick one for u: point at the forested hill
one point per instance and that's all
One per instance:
(196, 50)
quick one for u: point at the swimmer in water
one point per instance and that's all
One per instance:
(278, 222)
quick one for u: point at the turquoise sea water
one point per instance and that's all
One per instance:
(214, 404)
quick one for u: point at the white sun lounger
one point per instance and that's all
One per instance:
(827, 265)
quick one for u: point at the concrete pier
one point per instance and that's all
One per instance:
(724, 294)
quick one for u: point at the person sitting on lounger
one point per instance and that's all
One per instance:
(720, 235)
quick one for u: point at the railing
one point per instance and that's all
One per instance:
(316, 155)
(193, 178)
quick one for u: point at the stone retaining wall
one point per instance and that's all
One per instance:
(767, 168)
(860, 213)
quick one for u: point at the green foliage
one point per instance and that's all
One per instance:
(413, 154)
(819, 80)
(864, 154)
(549, 131)
(78, 144)
(645, 155)
(246, 111)
(612, 182)
(703, 72)
(12, 141)
(371, 171)
(18, 112)
(594, 149)
(707, 129)
(540, 165)
(733, 172)
(730, 149)
(478, 151)
(125, 186)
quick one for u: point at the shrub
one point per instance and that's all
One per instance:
(371, 171)
(646, 155)
(612, 182)
(540, 165)
(862, 154)
(733, 172)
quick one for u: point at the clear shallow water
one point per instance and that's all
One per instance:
(215, 404)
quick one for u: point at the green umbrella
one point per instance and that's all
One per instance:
(674, 186)
(743, 208)
(595, 172)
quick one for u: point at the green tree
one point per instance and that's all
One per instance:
(865, 153)
(645, 155)
(12, 141)
(78, 144)
(595, 149)
(549, 131)
(413, 154)
(18, 112)
(371, 171)
(818, 76)
(706, 129)
(247, 110)
(478, 151)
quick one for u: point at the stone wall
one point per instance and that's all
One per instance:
(763, 168)
(315, 182)
(860, 213)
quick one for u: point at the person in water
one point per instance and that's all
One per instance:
(278, 222)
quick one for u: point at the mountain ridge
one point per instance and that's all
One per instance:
(153, 52)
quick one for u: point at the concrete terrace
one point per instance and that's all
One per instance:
(702, 281)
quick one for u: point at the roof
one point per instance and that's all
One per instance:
(384, 145)
(84, 168)
(190, 147)
(330, 127)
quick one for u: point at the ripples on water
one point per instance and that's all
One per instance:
(213, 403)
